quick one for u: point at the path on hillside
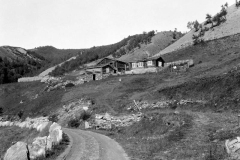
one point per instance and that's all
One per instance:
(86, 145)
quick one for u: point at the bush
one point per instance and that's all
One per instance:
(237, 3)
(74, 123)
(20, 114)
(53, 118)
(85, 115)
(1, 111)
(69, 85)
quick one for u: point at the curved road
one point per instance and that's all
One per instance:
(86, 145)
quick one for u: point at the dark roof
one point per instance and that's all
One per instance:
(100, 66)
(96, 62)
(154, 58)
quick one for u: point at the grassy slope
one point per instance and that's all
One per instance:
(160, 41)
(206, 124)
(12, 94)
(214, 78)
(230, 27)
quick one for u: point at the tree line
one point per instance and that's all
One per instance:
(94, 53)
(215, 20)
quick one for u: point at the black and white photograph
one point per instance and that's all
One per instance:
(119, 80)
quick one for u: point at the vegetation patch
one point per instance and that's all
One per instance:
(156, 133)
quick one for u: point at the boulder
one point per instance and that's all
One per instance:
(87, 126)
(42, 126)
(233, 148)
(38, 147)
(107, 117)
(54, 126)
(56, 136)
(18, 151)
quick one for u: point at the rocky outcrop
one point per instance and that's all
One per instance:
(233, 148)
(108, 122)
(55, 133)
(37, 123)
(40, 145)
(18, 151)
(72, 110)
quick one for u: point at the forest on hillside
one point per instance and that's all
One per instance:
(11, 70)
(116, 50)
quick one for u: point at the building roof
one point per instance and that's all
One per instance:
(101, 66)
(96, 62)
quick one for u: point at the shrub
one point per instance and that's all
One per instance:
(20, 114)
(217, 19)
(197, 39)
(85, 115)
(53, 118)
(69, 85)
(74, 123)
(237, 3)
(1, 111)
(209, 19)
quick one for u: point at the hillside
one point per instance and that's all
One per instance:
(18, 53)
(158, 42)
(16, 62)
(54, 55)
(230, 27)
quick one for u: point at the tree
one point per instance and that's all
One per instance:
(190, 25)
(217, 19)
(226, 5)
(196, 25)
(209, 19)
(223, 12)
(197, 39)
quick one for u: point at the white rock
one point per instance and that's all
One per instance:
(17, 152)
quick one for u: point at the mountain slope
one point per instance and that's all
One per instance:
(158, 42)
(54, 55)
(18, 53)
(230, 27)
(16, 62)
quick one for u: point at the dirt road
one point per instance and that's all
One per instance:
(86, 145)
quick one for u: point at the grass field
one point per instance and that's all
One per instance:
(11, 135)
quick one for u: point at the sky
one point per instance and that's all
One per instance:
(79, 24)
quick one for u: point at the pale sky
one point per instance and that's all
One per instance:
(88, 23)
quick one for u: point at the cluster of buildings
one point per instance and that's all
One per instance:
(109, 66)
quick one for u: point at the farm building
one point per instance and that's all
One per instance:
(119, 66)
(144, 65)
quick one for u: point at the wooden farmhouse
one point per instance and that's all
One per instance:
(106, 66)
(147, 63)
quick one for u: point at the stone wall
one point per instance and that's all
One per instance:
(30, 79)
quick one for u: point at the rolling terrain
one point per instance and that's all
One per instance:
(205, 99)
(158, 42)
(228, 28)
